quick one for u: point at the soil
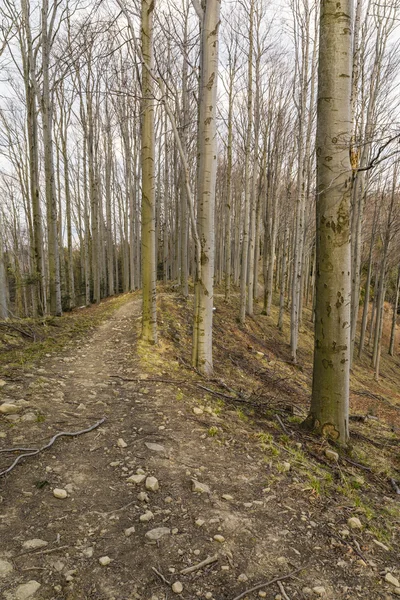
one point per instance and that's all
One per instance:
(273, 522)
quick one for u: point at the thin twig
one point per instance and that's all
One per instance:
(207, 561)
(161, 576)
(41, 551)
(53, 439)
(282, 590)
(268, 583)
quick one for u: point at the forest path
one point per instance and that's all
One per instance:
(50, 547)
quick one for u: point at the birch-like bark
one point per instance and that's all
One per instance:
(207, 166)
(51, 200)
(148, 245)
(329, 412)
(394, 316)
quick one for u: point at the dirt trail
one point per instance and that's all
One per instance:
(265, 529)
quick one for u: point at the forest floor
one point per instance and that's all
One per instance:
(272, 501)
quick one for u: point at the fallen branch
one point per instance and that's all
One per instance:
(41, 551)
(268, 583)
(282, 590)
(53, 439)
(207, 561)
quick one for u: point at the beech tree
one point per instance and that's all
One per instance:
(329, 412)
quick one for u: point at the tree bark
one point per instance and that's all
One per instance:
(329, 412)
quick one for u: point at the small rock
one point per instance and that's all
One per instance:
(59, 493)
(152, 484)
(156, 534)
(33, 544)
(208, 595)
(2, 383)
(129, 531)
(200, 488)
(392, 580)
(136, 479)
(282, 560)
(242, 578)
(177, 587)
(175, 531)
(354, 523)
(148, 516)
(307, 591)
(219, 538)
(143, 497)
(27, 590)
(9, 409)
(396, 591)
(29, 417)
(121, 443)
(331, 455)
(262, 594)
(345, 533)
(88, 552)
(227, 497)
(104, 560)
(154, 447)
(286, 466)
(5, 568)
(319, 590)
(197, 410)
(199, 522)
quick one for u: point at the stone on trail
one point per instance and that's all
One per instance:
(219, 538)
(319, 590)
(152, 484)
(29, 417)
(177, 587)
(5, 568)
(59, 493)
(27, 590)
(354, 523)
(200, 488)
(199, 522)
(34, 544)
(9, 409)
(156, 534)
(2, 383)
(129, 531)
(136, 479)
(154, 447)
(197, 410)
(146, 517)
(389, 578)
(143, 497)
(121, 443)
(104, 560)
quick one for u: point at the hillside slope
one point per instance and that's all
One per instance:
(238, 480)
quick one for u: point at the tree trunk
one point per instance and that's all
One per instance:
(329, 410)
(207, 166)
(148, 247)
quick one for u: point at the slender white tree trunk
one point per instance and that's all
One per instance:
(207, 167)
(149, 311)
